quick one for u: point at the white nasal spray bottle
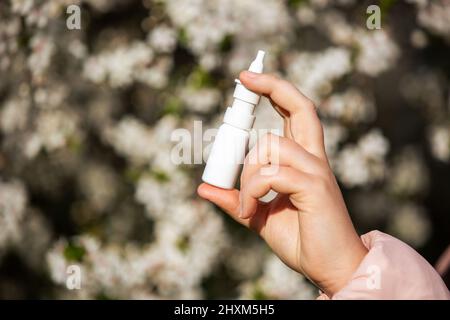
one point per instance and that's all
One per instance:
(231, 144)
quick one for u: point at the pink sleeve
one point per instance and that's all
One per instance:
(392, 270)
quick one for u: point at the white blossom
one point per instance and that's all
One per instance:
(337, 28)
(278, 282)
(86, 122)
(42, 50)
(352, 106)
(362, 163)
(436, 17)
(409, 175)
(13, 203)
(306, 15)
(131, 138)
(410, 223)
(119, 67)
(99, 186)
(334, 134)
(200, 100)
(157, 195)
(163, 39)
(377, 52)
(14, 115)
(54, 130)
(439, 137)
(156, 76)
(313, 73)
(419, 39)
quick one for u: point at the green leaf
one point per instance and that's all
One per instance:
(200, 78)
(258, 294)
(386, 5)
(296, 3)
(160, 176)
(226, 44)
(73, 252)
(132, 174)
(183, 37)
(173, 106)
(183, 244)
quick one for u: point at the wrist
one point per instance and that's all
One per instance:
(353, 259)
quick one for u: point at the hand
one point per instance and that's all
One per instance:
(307, 225)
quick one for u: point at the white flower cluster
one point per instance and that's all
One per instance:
(132, 139)
(14, 115)
(278, 282)
(157, 195)
(435, 16)
(377, 52)
(352, 106)
(314, 73)
(42, 49)
(122, 66)
(163, 39)
(119, 67)
(410, 223)
(142, 144)
(23, 228)
(408, 175)
(86, 119)
(206, 23)
(409, 180)
(99, 186)
(55, 130)
(189, 239)
(334, 135)
(362, 163)
(13, 202)
(9, 30)
(200, 100)
(440, 143)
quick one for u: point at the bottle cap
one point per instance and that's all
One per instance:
(236, 119)
(241, 92)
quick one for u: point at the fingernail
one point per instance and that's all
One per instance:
(250, 74)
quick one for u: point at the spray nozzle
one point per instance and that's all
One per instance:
(257, 64)
(246, 100)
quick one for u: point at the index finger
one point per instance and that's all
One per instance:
(305, 125)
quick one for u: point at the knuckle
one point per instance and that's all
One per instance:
(242, 178)
(321, 185)
(265, 138)
(263, 147)
(323, 168)
(273, 77)
(326, 172)
(247, 159)
(243, 189)
(245, 172)
(252, 156)
(269, 171)
(310, 104)
(284, 85)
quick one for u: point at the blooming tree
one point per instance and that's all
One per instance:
(86, 117)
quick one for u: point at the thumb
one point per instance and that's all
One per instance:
(228, 200)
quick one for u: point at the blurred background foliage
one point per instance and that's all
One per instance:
(86, 117)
